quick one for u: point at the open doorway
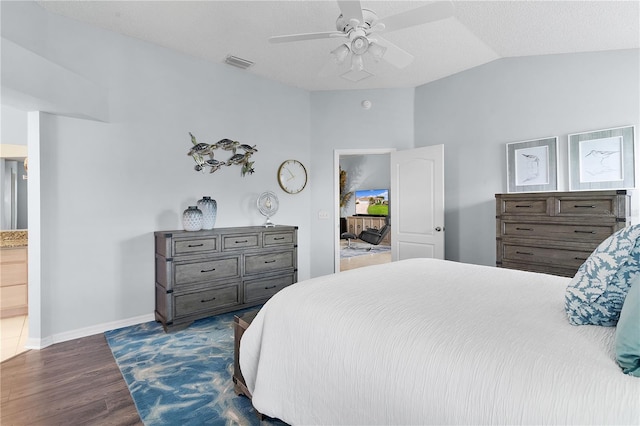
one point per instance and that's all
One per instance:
(13, 245)
(362, 201)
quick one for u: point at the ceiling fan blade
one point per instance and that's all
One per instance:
(431, 12)
(306, 36)
(394, 55)
(351, 9)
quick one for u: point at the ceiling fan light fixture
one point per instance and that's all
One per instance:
(357, 63)
(377, 51)
(340, 53)
(359, 45)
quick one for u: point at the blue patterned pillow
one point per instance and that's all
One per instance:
(596, 293)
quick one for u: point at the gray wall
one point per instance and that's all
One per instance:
(475, 113)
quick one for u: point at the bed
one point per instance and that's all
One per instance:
(425, 341)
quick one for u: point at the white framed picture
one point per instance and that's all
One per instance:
(602, 159)
(532, 166)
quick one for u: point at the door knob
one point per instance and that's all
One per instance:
(438, 229)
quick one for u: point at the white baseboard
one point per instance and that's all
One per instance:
(84, 332)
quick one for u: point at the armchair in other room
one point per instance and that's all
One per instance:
(369, 235)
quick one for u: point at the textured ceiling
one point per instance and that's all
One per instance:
(479, 32)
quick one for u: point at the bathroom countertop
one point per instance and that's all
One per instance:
(14, 238)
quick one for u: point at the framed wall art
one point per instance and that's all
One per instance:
(602, 159)
(532, 166)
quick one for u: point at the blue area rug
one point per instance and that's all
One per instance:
(183, 377)
(362, 249)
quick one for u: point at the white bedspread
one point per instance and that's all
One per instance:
(426, 341)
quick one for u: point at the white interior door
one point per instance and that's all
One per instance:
(417, 203)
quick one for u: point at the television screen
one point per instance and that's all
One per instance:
(372, 202)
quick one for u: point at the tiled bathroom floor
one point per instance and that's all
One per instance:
(13, 336)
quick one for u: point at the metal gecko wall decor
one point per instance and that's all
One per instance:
(201, 150)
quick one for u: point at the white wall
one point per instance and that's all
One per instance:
(107, 186)
(475, 113)
(13, 126)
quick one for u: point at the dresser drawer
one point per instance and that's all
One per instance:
(586, 207)
(265, 262)
(278, 238)
(525, 206)
(241, 241)
(193, 272)
(195, 246)
(188, 304)
(560, 270)
(561, 232)
(544, 255)
(262, 289)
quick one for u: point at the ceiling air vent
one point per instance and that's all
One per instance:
(238, 62)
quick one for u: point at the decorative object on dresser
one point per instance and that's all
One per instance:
(532, 165)
(201, 150)
(192, 219)
(555, 232)
(602, 159)
(204, 273)
(268, 206)
(209, 208)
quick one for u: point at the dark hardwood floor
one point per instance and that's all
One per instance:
(70, 383)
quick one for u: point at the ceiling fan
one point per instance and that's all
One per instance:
(362, 29)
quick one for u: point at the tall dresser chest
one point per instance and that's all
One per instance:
(555, 232)
(204, 273)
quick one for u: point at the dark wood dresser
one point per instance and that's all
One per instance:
(555, 232)
(204, 273)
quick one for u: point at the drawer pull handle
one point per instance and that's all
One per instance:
(195, 245)
(524, 229)
(270, 261)
(578, 206)
(519, 206)
(577, 231)
(278, 238)
(208, 270)
(270, 287)
(524, 252)
(243, 241)
(580, 258)
(208, 300)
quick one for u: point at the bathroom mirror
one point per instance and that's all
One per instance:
(13, 187)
